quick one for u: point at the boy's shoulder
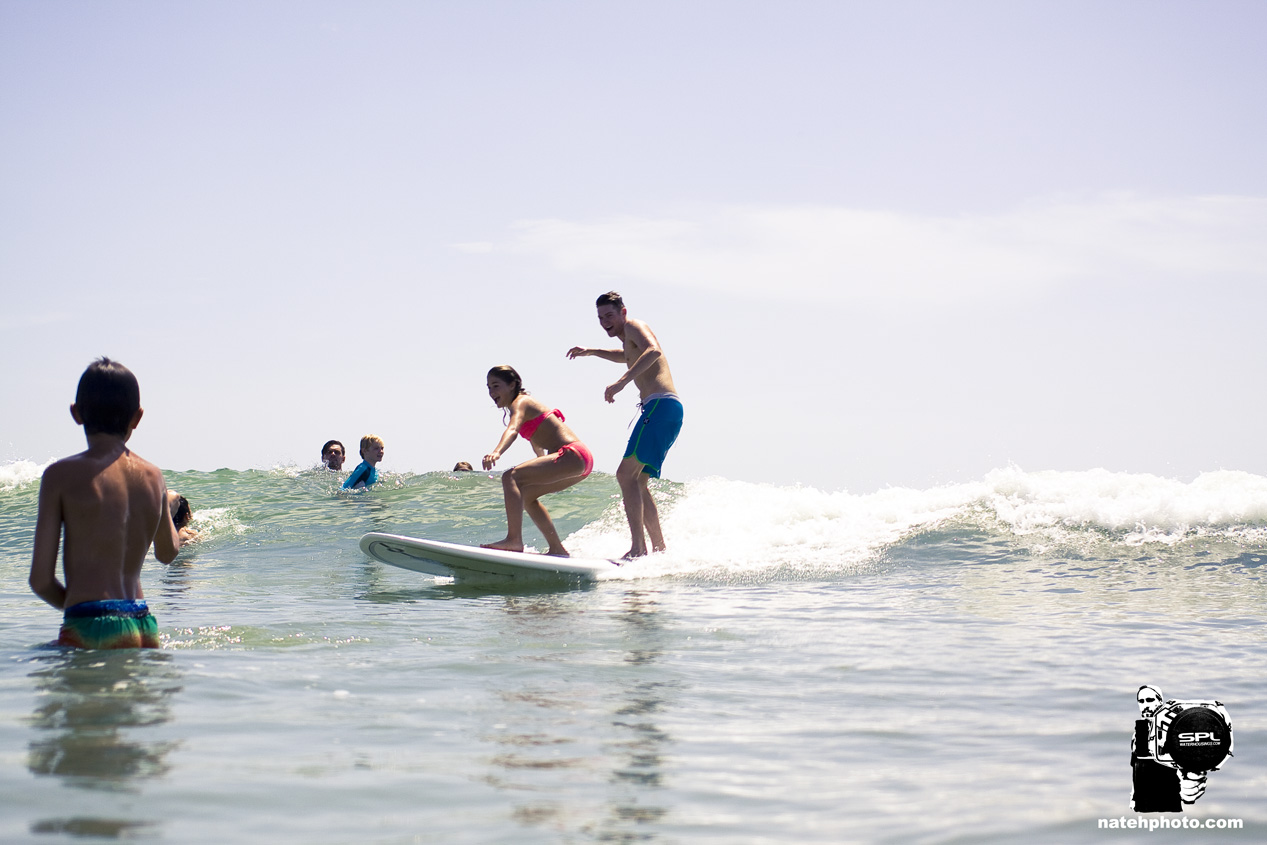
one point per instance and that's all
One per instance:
(139, 469)
(86, 465)
(68, 468)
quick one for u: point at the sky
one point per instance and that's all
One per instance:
(892, 244)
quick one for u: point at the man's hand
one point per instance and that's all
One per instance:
(577, 352)
(1191, 786)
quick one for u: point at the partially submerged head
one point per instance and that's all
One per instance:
(333, 454)
(504, 385)
(108, 399)
(611, 313)
(182, 513)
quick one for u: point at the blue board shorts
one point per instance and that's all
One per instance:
(115, 623)
(655, 431)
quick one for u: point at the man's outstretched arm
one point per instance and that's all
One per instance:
(614, 355)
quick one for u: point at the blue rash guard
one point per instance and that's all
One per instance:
(365, 473)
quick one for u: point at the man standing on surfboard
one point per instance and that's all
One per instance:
(657, 427)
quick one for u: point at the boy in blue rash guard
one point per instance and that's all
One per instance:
(365, 474)
(111, 505)
(658, 426)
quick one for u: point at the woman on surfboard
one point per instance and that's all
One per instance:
(562, 459)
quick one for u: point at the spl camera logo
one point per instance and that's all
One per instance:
(1176, 745)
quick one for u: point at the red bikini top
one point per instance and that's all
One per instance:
(530, 427)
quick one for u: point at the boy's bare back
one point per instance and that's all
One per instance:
(110, 502)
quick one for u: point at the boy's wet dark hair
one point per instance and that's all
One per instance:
(610, 298)
(107, 398)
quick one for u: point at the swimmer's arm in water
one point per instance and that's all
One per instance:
(614, 355)
(510, 434)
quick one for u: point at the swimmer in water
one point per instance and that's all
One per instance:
(332, 455)
(182, 515)
(366, 472)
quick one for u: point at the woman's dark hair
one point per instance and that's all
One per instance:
(507, 374)
(107, 398)
(183, 514)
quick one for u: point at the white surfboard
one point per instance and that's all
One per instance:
(471, 564)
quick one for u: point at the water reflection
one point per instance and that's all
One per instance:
(582, 726)
(89, 704)
(644, 699)
(176, 579)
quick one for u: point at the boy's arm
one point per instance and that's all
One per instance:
(614, 355)
(166, 538)
(48, 536)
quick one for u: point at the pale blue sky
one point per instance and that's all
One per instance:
(895, 243)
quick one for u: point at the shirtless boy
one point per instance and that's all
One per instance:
(112, 504)
(657, 427)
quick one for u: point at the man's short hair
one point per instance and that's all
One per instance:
(329, 443)
(610, 298)
(108, 398)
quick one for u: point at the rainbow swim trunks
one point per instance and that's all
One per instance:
(115, 623)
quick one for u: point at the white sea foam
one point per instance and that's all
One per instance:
(1141, 508)
(216, 523)
(20, 473)
(743, 527)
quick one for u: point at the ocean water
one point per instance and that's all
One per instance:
(953, 665)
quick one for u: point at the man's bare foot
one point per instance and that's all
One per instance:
(633, 555)
(559, 552)
(504, 545)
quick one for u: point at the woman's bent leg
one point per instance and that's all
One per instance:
(526, 484)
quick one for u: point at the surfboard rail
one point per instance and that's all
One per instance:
(473, 564)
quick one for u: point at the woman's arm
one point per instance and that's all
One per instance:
(517, 408)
